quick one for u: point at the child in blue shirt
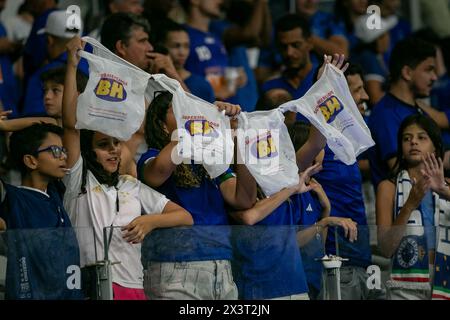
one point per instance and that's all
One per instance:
(38, 260)
(198, 258)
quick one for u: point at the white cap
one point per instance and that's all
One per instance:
(62, 24)
(367, 35)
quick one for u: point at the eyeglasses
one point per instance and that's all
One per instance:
(57, 151)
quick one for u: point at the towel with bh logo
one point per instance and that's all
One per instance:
(329, 106)
(267, 150)
(113, 102)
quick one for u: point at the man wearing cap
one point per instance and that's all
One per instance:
(374, 43)
(58, 33)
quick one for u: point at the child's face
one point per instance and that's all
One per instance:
(46, 162)
(415, 143)
(53, 95)
(107, 150)
(178, 45)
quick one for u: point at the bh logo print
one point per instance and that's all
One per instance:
(110, 90)
(200, 127)
(330, 108)
(264, 147)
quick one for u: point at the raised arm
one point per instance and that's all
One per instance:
(265, 207)
(21, 123)
(239, 192)
(160, 168)
(334, 44)
(438, 116)
(71, 137)
(312, 147)
(250, 33)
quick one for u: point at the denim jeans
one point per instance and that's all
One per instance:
(193, 280)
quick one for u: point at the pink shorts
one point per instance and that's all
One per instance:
(122, 293)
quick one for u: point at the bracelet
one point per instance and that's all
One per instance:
(317, 228)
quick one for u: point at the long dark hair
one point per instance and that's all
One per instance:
(433, 131)
(90, 162)
(186, 176)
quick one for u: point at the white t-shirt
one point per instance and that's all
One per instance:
(97, 209)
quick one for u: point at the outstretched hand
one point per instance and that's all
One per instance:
(434, 172)
(336, 60)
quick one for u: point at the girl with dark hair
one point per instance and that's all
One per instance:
(197, 259)
(408, 208)
(98, 197)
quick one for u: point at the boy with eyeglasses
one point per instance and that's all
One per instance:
(43, 252)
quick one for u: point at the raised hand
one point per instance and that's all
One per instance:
(336, 60)
(434, 173)
(72, 47)
(231, 110)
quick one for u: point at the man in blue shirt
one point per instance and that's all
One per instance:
(35, 51)
(292, 37)
(208, 56)
(413, 72)
(175, 39)
(247, 24)
(57, 37)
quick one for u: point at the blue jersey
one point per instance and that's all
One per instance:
(342, 184)
(200, 87)
(207, 57)
(9, 89)
(384, 122)
(35, 51)
(34, 96)
(40, 253)
(310, 213)
(324, 26)
(373, 65)
(247, 96)
(267, 261)
(209, 239)
(282, 83)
